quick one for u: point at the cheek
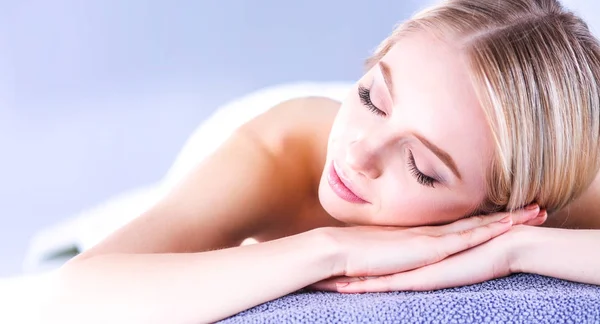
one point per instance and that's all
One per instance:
(352, 120)
(345, 128)
(410, 205)
(401, 205)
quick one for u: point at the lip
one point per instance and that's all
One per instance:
(342, 187)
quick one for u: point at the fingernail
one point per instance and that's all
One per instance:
(506, 219)
(341, 284)
(532, 206)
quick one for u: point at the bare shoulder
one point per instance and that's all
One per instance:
(306, 118)
(297, 131)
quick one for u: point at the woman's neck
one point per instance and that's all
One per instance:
(583, 213)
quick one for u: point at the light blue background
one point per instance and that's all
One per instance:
(98, 96)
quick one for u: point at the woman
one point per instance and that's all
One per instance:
(470, 108)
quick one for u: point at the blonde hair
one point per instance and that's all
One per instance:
(536, 70)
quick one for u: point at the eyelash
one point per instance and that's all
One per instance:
(365, 97)
(421, 178)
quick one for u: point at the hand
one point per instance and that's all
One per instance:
(487, 261)
(376, 251)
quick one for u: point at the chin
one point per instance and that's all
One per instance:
(330, 202)
(327, 201)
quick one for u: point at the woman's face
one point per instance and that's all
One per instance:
(410, 144)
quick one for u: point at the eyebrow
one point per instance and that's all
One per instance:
(441, 154)
(387, 77)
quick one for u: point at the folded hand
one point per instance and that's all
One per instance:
(479, 262)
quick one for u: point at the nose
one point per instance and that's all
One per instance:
(361, 157)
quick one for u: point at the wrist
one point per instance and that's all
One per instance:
(326, 242)
(524, 242)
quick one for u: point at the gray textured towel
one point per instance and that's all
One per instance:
(521, 298)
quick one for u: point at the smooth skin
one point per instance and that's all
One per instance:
(183, 262)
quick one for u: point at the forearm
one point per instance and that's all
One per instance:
(561, 253)
(191, 287)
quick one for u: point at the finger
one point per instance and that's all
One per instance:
(452, 243)
(328, 284)
(521, 217)
(538, 220)
(331, 283)
(462, 225)
(426, 278)
(446, 274)
(394, 282)
(323, 286)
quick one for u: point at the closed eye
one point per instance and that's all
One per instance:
(420, 176)
(365, 98)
